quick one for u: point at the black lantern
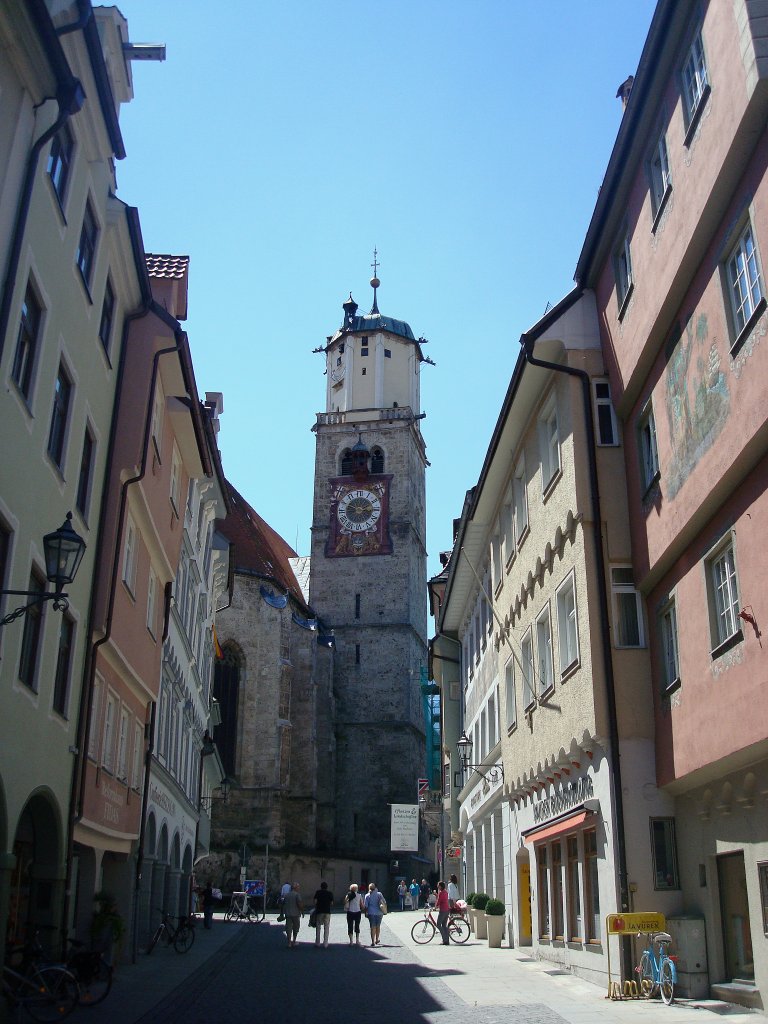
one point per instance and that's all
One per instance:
(490, 772)
(64, 550)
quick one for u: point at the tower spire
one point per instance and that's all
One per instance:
(375, 282)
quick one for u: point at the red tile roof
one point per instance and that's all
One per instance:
(258, 548)
(166, 266)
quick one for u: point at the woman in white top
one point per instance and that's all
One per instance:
(453, 891)
(353, 904)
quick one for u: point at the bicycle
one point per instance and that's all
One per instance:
(47, 992)
(91, 971)
(424, 931)
(242, 909)
(658, 971)
(182, 935)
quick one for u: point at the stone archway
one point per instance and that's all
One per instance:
(146, 911)
(37, 877)
(521, 886)
(159, 876)
(186, 902)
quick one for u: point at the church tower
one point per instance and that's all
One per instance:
(368, 569)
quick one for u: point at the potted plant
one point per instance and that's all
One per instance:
(494, 922)
(107, 926)
(479, 901)
(470, 911)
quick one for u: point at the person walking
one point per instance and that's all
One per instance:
(323, 904)
(414, 888)
(453, 891)
(284, 890)
(208, 905)
(353, 904)
(402, 891)
(373, 901)
(293, 909)
(424, 887)
(443, 911)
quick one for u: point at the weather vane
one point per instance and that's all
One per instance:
(374, 280)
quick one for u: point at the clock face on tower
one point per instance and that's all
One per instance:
(358, 511)
(359, 517)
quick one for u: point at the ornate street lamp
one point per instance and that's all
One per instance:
(488, 771)
(64, 550)
(205, 801)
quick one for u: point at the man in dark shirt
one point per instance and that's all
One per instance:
(424, 892)
(323, 904)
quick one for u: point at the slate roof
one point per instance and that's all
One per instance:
(258, 548)
(159, 265)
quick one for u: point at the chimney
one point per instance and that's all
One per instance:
(624, 90)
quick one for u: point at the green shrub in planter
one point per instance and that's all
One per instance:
(470, 897)
(479, 900)
(494, 908)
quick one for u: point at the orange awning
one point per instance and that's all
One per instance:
(557, 828)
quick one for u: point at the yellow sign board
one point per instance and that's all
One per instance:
(631, 924)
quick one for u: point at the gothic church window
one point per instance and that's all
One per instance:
(226, 690)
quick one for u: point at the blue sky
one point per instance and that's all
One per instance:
(280, 142)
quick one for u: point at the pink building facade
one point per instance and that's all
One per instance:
(674, 255)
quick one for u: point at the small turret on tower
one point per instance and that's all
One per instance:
(350, 312)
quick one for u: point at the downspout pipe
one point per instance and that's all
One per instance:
(70, 98)
(610, 681)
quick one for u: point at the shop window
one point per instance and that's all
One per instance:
(592, 886)
(573, 889)
(627, 608)
(543, 889)
(558, 930)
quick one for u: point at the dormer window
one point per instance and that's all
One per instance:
(387, 353)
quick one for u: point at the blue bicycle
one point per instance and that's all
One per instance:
(657, 970)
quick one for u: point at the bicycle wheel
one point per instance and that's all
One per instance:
(666, 982)
(645, 975)
(185, 936)
(230, 914)
(458, 930)
(256, 914)
(94, 978)
(423, 931)
(55, 994)
(155, 938)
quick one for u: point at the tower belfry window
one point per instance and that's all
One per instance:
(377, 460)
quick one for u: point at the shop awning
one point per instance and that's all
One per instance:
(557, 828)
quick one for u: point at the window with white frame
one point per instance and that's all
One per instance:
(649, 457)
(669, 649)
(664, 848)
(483, 619)
(493, 735)
(27, 342)
(122, 745)
(507, 530)
(526, 649)
(175, 490)
(695, 79)
(510, 702)
(627, 608)
(606, 428)
(151, 602)
(94, 733)
(483, 733)
(520, 496)
(108, 749)
(658, 173)
(471, 650)
(544, 650)
(478, 632)
(567, 625)
(86, 249)
(496, 560)
(622, 268)
(723, 594)
(130, 555)
(138, 751)
(158, 409)
(745, 285)
(549, 444)
(60, 161)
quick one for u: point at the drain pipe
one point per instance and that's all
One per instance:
(610, 681)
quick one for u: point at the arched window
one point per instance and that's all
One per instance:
(346, 462)
(226, 690)
(377, 460)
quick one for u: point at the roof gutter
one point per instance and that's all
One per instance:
(527, 341)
